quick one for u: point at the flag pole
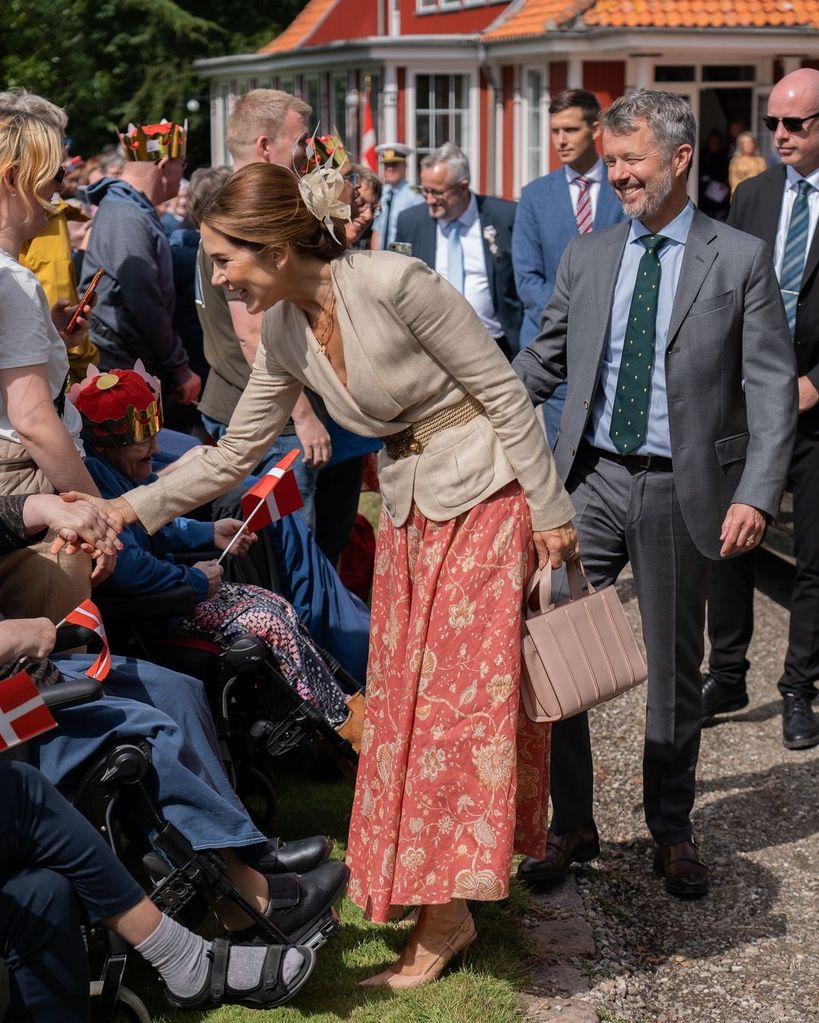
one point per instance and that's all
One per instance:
(242, 529)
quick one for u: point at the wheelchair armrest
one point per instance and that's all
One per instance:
(125, 608)
(71, 692)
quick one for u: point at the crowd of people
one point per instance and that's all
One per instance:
(296, 302)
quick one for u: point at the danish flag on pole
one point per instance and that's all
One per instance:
(368, 153)
(272, 497)
(23, 714)
(87, 615)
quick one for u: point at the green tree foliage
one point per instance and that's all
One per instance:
(113, 61)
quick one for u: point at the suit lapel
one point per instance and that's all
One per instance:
(700, 253)
(769, 209)
(812, 262)
(488, 258)
(565, 210)
(427, 241)
(605, 270)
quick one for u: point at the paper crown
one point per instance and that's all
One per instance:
(120, 407)
(155, 141)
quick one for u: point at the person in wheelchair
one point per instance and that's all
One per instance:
(291, 883)
(121, 417)
(56, 872)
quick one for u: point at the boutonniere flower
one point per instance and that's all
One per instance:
(490, 233)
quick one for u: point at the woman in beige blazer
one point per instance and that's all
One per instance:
(466, 476)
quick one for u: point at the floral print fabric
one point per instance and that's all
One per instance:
(445, 755)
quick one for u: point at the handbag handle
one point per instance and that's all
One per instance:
(542, 581)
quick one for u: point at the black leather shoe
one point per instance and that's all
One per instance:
(561, 851)
(296, 857)
(301, 907)
(800, 729)
(686, 876)
(719, 698)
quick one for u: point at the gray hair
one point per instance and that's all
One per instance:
(668, 116)
(21, 99)
(453, 156)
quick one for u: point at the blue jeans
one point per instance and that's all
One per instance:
(282, 445)
(52, 863)
(170, 711)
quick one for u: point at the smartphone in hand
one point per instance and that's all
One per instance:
(85, 300)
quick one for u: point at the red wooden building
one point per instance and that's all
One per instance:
(480, 72)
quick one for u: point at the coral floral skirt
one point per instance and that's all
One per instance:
(451, 775)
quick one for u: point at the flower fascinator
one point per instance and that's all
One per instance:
(322, 186)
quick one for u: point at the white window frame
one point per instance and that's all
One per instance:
(526, 145)
(471, 113)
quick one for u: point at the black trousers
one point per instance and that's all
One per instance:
(731, 595)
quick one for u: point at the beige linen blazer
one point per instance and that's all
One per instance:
(412, 345)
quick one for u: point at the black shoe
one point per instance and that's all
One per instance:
(719, 698)
(301, 907)
(686, 876)
(296, 857)
(800, 729)
(561, 851)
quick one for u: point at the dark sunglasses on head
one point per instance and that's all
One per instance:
(792, 124)
(59, 176)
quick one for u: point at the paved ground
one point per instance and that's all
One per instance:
(613, 946)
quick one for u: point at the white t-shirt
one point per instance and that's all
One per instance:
(29, 338)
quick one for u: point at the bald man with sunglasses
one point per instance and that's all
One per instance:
(781, 206)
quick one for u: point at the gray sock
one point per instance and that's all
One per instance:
(181, 959)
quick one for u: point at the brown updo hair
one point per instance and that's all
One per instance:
(260, 208)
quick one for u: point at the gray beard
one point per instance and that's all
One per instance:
(654, 196)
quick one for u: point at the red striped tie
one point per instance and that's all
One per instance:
(584, 208)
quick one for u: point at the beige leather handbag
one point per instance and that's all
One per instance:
(578, 653)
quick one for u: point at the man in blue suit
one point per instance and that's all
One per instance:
(467, 238)
(554, 209)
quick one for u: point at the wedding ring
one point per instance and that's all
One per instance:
(749, 540)
(569, 552)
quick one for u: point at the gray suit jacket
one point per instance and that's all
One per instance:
(729, 361)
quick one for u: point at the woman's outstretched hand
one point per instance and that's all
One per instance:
(78, 526)
(117, 512)
(556, 545)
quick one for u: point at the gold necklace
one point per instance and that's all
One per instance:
(324, 334)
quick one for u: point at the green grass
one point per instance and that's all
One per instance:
(485, 990)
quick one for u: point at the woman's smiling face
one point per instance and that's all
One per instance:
(243, 271)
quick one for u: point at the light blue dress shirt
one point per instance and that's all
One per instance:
(658, 441)
(395, 201)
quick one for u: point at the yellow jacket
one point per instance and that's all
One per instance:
(48, 255)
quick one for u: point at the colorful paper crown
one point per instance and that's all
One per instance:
(155, 141)
(118, 408)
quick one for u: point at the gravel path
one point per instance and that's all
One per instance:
(748, 951)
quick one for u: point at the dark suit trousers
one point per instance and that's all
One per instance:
(633, 515)
(731, 597)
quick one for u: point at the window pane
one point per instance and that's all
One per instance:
(422, 92)
(728, 73)
(459, 91)
(422, 132)
(673, 73)
(441, 92)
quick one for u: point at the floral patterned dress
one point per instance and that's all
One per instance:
(451, 776)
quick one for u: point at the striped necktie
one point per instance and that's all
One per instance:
(583, 216)
(796, 247)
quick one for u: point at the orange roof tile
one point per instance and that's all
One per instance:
(301, 27)
(535, 17)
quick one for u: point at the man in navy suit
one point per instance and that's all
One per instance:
(554, 209)
(467, 238)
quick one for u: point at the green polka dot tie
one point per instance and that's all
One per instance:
(630, 415)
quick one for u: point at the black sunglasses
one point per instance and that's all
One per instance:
(59, 177)
(791, 124)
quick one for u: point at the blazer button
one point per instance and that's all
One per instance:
(415, 447)
(573, 451)
(585, 404)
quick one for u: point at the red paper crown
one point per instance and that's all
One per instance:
(118, 408)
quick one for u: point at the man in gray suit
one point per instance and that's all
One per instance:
(675, 442)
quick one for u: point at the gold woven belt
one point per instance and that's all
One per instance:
(413, 439)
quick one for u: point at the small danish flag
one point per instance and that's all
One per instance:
(273, 496)
(23, 713)
(88, 616)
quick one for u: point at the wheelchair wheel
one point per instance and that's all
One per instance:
(130, 1007)
(256, 791)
